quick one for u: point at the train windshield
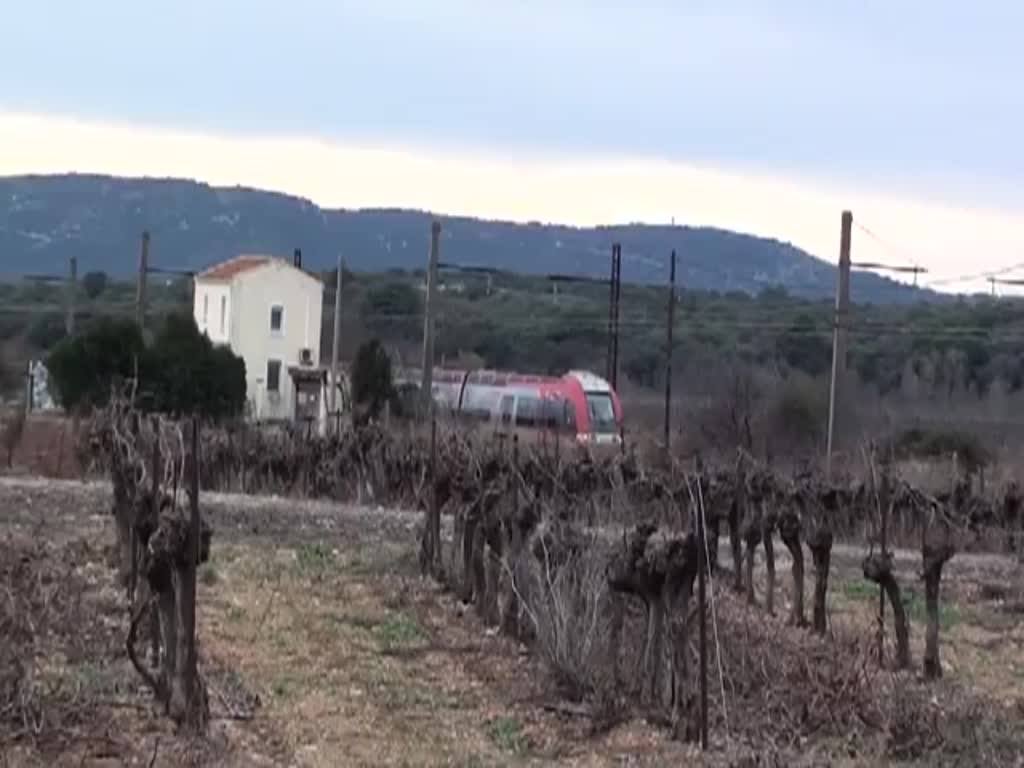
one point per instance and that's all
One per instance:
(602, 413)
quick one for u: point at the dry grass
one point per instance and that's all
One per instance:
(357, 661)
(358, 657)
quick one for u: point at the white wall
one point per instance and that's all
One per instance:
(253, 294)
(210, 297)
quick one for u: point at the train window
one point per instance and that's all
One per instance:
(528, 412)
(558, 414)
(602, 413)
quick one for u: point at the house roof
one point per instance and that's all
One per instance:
(226, 270)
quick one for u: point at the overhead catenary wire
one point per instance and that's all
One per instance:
(915, 258)
(687, 325)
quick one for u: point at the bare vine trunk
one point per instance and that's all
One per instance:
(789, 532)
(614, 653)
(456, 576)
(878, 569)
(655, 653)
(492, 579)
(735, 542)
(469, 542)
(510, 557)
(937, 549)
(752, 537)
(769, 561)
(821, 552)
(684, 715)
(479, 570)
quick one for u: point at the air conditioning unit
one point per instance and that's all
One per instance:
(305, 356)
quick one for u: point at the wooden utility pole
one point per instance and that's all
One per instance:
(668, 353)
(427, 386)
(335, 346)
(839, 335)
(140, 295)
(702, 569)
(69, 323)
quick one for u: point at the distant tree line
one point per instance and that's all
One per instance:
(970, 347)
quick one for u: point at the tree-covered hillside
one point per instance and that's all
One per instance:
(46, 219)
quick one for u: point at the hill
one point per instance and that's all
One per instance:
(46, 219)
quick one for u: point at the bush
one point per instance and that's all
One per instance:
(798, 415)
(95, 283)
(184, 372)
(47, 330)
(83, 368)
(940, 443)
(181, 373)
(372, 381)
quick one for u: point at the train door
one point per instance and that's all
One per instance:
(505, 409)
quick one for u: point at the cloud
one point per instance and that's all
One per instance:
(920, 97)
(581, 190)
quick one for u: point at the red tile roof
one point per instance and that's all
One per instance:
(228, 269)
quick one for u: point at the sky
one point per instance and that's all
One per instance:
(766, 117)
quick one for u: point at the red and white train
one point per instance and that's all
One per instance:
(578, 405)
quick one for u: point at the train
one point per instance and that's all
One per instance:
(578, 405)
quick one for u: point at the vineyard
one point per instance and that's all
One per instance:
(592, 565)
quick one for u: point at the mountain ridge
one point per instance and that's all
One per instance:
(44, 219)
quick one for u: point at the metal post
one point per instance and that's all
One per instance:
(427, 386)
(839, 335)
(669, 353)
(140, 294)
(337, 336)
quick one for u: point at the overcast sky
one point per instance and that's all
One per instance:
(767, 115)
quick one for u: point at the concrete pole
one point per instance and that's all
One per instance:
(335, 346)
(839, 335)
(618, 297)
(427, 384)
(668, 353)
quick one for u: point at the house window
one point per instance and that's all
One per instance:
(276, 318)
(223, 313)
(206, 309)
(273, 376)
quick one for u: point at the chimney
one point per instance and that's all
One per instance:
(298, 258)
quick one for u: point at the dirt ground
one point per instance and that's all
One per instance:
(321, 646)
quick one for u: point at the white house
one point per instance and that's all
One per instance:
(268, 310)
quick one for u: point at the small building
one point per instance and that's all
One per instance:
(268, 310)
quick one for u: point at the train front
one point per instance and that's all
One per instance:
(599, 410)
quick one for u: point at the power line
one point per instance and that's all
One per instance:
(969, 277)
